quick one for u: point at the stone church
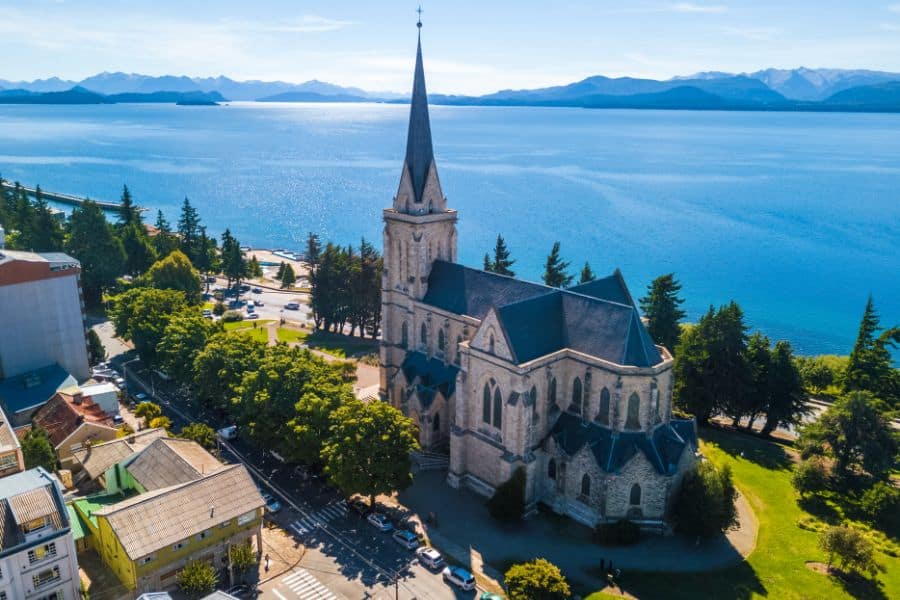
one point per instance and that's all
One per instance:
(503, 373)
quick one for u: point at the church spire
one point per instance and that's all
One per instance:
(419, 152)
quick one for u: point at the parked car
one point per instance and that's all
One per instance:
(243, 591)
(117, 419)
(207, 313)
(380, 522)
(359, 506)
(120, 383)
(292, 306)
(490, 596)
(406, 539)
(460, 578)
(430, 557)
(252, 316)
(257, 290)
(272, 503)
(140, 397)
(228, 433)
(258, 303)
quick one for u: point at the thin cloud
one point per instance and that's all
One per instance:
(690, 7)
(889, 26)
(894, 8)
(756, 34)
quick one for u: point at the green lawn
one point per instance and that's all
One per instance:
(339, 345)
(776, 568)
(291, 335)
(257, 329)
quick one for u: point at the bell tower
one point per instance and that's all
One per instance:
(418, 229)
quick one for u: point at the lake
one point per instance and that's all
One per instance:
(796, 216)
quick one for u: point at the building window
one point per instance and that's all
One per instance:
(458, 342)
(586, 486)
(498, 407)
(442, 340)
(8, 462)
(634, 406)
(203, 535)
(491, 344)
(52, 596)
(246, 517)
(576, 397)
(42, 552)
(34, 525)
(45, 577)
(492, 404)
(423, 336)
(3, 596)
(486, 404)
(603, 415)
(551, 469)
(436, 425)
(535, 417)
(179, 545)
(654, 402)
(146, 560)
(635, 496)
(404, 335)
(552, 407)
(225, 524)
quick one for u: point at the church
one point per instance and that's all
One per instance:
(505, 374)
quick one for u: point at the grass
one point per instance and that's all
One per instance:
(256, 329)
(339, 345)
(291, 335)
(776, 568)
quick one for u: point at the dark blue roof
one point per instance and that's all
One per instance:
(419, 152)
(463, 290)
(34, 388)
(433, 375)
(663, 448)
(610, 288)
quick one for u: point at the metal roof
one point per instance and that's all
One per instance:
(419, 151)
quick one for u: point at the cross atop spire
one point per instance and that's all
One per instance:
(419, 152)
(419, 23)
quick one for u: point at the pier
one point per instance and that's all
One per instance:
(68, 198)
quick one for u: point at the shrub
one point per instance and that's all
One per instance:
(232, 316)
(197, 579)
(538, 579)
(508, 502)
(881, 503)
(620, 533)
(705, 505)
(850, 547)
(810, 477)
(219, 308)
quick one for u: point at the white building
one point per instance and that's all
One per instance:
(37, 551)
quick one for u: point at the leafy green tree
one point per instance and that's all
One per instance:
(856, 435)
(810, 477)
(220, 367)
(587, 275)
(184, 337)
(148, 411)
(881, 504)
(139, 252)
(501, 263)
(508, 502)
(96, 351)
(161, 422)
(288, 279)
(368, 449)
(787, 397)
(92, 242)
(206, 259)
(175, 272)
(201, 433)
(197, 579)
(253, 267)
(662, 307)
(311, 425)
(870, 367)
(705, 505)
(164, 242)
(849, 547)
(816, 374)
(144, 315)
(759, 391)
(555, 269)
(37, 450)
(234, 267)
(243, 557)
(46, 231)
(537, 579)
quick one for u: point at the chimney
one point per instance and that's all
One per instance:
(77, 397)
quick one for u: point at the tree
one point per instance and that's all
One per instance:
(37, 450)
(488, 265)
(175, 272)
(92, 242)
(587, 275)
(856, 435)
(661, 306)
(96, 351)
(850, 547)
(555, 274)
(705, 505)
(46, 231)
(881, 504)
(815, 372)
(142, 315)
(161, 422)
(368, 449)
(311, 425)
(280, 272)
(129, 214)
(184, 337)
(242, 557)
(810, 477)
(537, 579)
(189, 230)
(164, 242)
(220, 367)
(148, 411)
(313, 250)
(870, 367)
(759, 389)
(201, 433)
(501, 263)
(233, 265)
(197, 578)
(786, 397)
(508, 502)
(253, 267)
(288, 279)
(139, 252)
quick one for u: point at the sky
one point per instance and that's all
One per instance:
(470, 47)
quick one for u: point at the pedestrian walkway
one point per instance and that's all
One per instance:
(333, 511)
(306, 587)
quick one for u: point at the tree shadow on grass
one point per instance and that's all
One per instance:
(818, 506)
(760, 451)
(737, 583)
(861, 587)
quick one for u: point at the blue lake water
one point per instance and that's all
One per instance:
(796, 216)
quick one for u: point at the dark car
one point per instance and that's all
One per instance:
(359, 506)
(257, 290)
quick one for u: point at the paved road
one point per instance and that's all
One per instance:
(273, 303)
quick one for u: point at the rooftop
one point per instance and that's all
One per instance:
(171, 461)
(97, 458)
(32, 389)
(67, 411)
(54, 259)
(24, 497)
(8, 439)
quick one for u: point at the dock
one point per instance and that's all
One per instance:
(68, 198)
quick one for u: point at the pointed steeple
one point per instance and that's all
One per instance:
(419, 152)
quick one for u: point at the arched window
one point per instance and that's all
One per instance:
(423, 336)
(654, 402)
(436, 425)
(442, 340)
(551, 469)
(635, 497)
(552, 406)
(535, 418)
(498, 407)
(486, 405)
(404, 335)
(634, 405)
(576, 396)
(586, 486)
(603, 415)
(491, 344)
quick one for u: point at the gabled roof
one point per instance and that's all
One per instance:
(97, 458)
(62, 415)
(8, 439)
(33, 389)
(431, 375)
(419, 151)
(145, 523)
(171, 461)
(466, 291)
(610, 288)
(26, 496)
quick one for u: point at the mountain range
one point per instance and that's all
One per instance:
(770, 89)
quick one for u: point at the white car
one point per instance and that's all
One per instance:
(380, 522)
(430, 557)
(252, 316)
(460, 578)
(406, 539)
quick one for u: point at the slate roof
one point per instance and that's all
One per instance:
(34, 388)
(433, 375)
(663, 448)
(598, 318)
(145, 523)
(61, 416)
(171, 461)
(419, 151)
(97, 458)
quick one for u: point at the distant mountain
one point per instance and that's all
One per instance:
(313, 97)
(809, 84)
(54, 84)
(878, 97)
(80, 95)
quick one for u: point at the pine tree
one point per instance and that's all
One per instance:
(870, 367)
(92, 242)
(128, 213)
(189, 229)
(786, 398)
(661, 307)
(288, 279)
(164, 242)
(488, 265)
(555, 274)
(587, 275)
(280, 272)
(139, 253)
(253, 267)
(313, 250)
(501, 263)
(46, 232)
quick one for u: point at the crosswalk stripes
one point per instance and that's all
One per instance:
(307, 587)
(335, 510)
